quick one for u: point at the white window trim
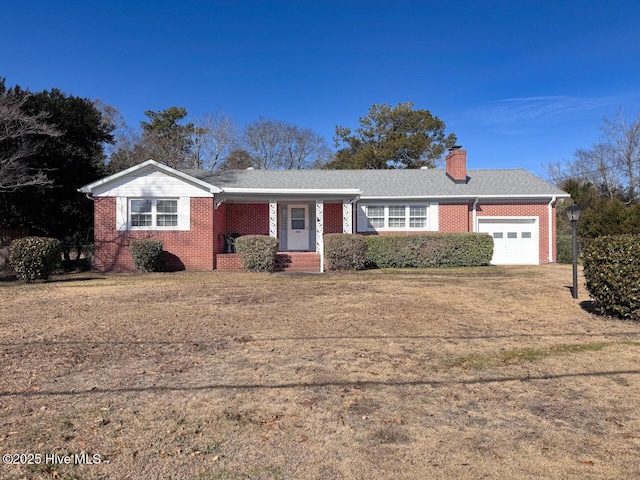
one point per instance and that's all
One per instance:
(123, 214)
(431, 215)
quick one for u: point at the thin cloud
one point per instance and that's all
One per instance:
(515, 114)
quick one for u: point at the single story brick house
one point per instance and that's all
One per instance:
(192, 211)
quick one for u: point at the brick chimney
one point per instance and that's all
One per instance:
(457, 164)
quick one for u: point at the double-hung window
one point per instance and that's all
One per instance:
(392, 217)
(417, 216)
(153, 213)
(397, 216)
(375, 216)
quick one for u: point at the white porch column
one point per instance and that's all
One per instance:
(273, 218)
(347, 217)
(320, 232)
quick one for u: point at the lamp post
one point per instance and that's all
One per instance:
(573, 214)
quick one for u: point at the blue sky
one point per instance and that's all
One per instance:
(521, 84)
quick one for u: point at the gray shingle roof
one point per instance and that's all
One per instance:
(387, 183)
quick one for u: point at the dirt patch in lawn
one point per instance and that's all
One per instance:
(489, 372)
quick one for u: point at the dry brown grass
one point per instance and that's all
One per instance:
(466, 373)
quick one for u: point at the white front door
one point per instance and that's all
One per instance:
(298, 227)
(515, 241)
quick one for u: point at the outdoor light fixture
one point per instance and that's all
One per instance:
(573, 214)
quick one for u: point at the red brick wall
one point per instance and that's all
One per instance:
(332, 218)
(190, 249)
(228, 261)
(248, 218)
(454, 217)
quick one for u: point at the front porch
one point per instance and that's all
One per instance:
(299, 224)
(285, 262)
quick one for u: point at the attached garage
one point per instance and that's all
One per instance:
(515, 240)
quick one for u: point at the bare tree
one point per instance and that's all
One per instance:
(19, 140)
(202, 143)
(599, 166)
(623, 138)
(612, 165)
(304, 148)
(212, 139)
(263, 141)
(274, 144)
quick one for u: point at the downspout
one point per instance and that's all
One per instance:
(475, 214)
(550, 210)
(90, 196)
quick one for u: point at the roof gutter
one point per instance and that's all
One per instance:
(348, 192)
(466, 197)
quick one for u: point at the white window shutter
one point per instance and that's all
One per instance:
(362, 218)
(184, 213)
(434, 224)
(122, 219)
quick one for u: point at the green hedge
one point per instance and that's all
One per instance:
(257, 252)
(34, 258)
(612, 271)
(429, 250)
(564, 248)
(343, 251)
(147, 254)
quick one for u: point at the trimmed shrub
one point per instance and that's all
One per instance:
(429, 250)
(612, 270)
(147, 254)
(564, 248)
(257, 252)
(34, 258)
(344, 251)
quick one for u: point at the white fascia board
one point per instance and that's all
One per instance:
(295, 191)
(465, 197)
(156, 165)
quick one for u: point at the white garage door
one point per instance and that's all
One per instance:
(515, 241)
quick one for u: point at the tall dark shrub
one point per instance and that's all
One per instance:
(564, 247)
(344, 251)
(257, 252)
(34, 258)
(612, 271)
(147, 254)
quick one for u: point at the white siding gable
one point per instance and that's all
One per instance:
(150, 184)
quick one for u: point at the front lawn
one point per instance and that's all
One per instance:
(491, 372)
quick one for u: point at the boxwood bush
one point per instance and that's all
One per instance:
(257, 252)
(429, 250)
(343, 251)
(612, 270)
(147, 254)
(34, 258)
